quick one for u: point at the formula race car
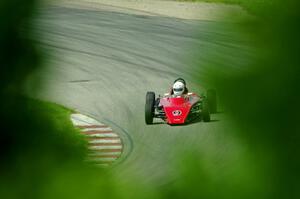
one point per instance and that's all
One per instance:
(180, 109)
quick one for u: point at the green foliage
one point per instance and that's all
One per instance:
(262, 98)
(42, 155)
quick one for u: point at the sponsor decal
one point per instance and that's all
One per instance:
(177, 112)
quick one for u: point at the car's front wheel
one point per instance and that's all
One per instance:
(205, 111)
(149, 107)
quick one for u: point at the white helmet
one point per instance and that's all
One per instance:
(178, 88)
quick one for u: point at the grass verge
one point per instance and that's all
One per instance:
(58, 118)
(58, 115)
(257, 7)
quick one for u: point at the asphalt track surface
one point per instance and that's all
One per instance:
(102, 63)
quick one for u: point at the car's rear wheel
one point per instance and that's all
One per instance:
(212, 100)
(205, 111)
(149, 107)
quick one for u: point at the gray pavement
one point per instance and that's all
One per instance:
(102, 63)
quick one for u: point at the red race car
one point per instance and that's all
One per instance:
(180, 109)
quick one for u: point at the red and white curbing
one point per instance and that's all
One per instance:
(105, 146)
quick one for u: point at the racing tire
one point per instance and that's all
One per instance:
(149, 107)
(212, 100)
(205, 111)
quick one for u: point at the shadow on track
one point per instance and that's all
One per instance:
(188, 123)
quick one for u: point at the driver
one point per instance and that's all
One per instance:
(179, 88)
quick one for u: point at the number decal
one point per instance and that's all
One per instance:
(177, 113)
